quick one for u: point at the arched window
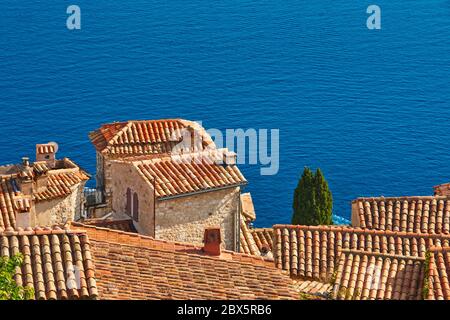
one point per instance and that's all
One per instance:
(128, 205)
(135, 207)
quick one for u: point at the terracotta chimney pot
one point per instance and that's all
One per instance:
(212, 241)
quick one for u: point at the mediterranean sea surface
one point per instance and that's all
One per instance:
(369, 107)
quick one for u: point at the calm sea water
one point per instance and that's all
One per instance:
(371, 108)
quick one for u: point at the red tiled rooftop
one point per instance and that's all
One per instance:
(193, 173)
(132, 266)
(364, 275)
(57, 263)
(121, 225)
(141, 137)
(312, 251)
(427, 214)
(255, 241)
(438, 285)
(59, 184)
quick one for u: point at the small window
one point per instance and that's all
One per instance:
(47, 157)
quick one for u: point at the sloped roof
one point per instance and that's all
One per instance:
(121, 225)
(442, 189)
(172, 176)
(59, 184)
(247, 242)
(312, 251)
(57, 263)
(376, 276)
(8, 191)
(439, 274)
(143, 137)
(427, 214)
(132, 266)
(256, 241)
(248, 210)
(313, 288)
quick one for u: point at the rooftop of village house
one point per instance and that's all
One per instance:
(174, 175)
(145, 137)
(47, 178)
(143, 268)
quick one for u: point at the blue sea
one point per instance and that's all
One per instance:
(369, 107)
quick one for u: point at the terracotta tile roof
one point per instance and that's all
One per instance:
(142, 137)
(8, 206)
(442, 189)
(132, 266)
(439, 274)
(46, 148)
(263, 238)
(40, 167)
(312, 251)
(314, 288)
(411, 214)
(256, 241)
(101, 137)
(175, 175)
(375, 276)
(248, 210)
(247, 242)
(121, 225)
(59, 184)
(57, 263)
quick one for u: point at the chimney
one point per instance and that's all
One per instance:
(212, 241)
(47, 152)
(229, 157)
(26, 162)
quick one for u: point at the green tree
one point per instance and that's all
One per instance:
(313, 201)
(304, 199)
(9, 289)
(324, 200)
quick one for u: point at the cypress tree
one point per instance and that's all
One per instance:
(324, 200)
(313, 201)
(304, 199)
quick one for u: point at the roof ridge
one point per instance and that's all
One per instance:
(10, 231)
(181, 245)
(428, 197)
(361, 230)
(380, 254)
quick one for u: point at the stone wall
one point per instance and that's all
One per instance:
(185, 218)
(127, 176)
(59, 210)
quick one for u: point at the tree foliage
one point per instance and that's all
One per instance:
(313, 201)
(9, 289)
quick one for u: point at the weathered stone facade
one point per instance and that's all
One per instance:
(140, 175)
(185, 218)
(59, 210)
(43, 193)
(182, 218)
(125, 178)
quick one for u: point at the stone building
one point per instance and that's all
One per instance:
(42, 193)
(121, 140)
(169, 178)
(176, 197)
